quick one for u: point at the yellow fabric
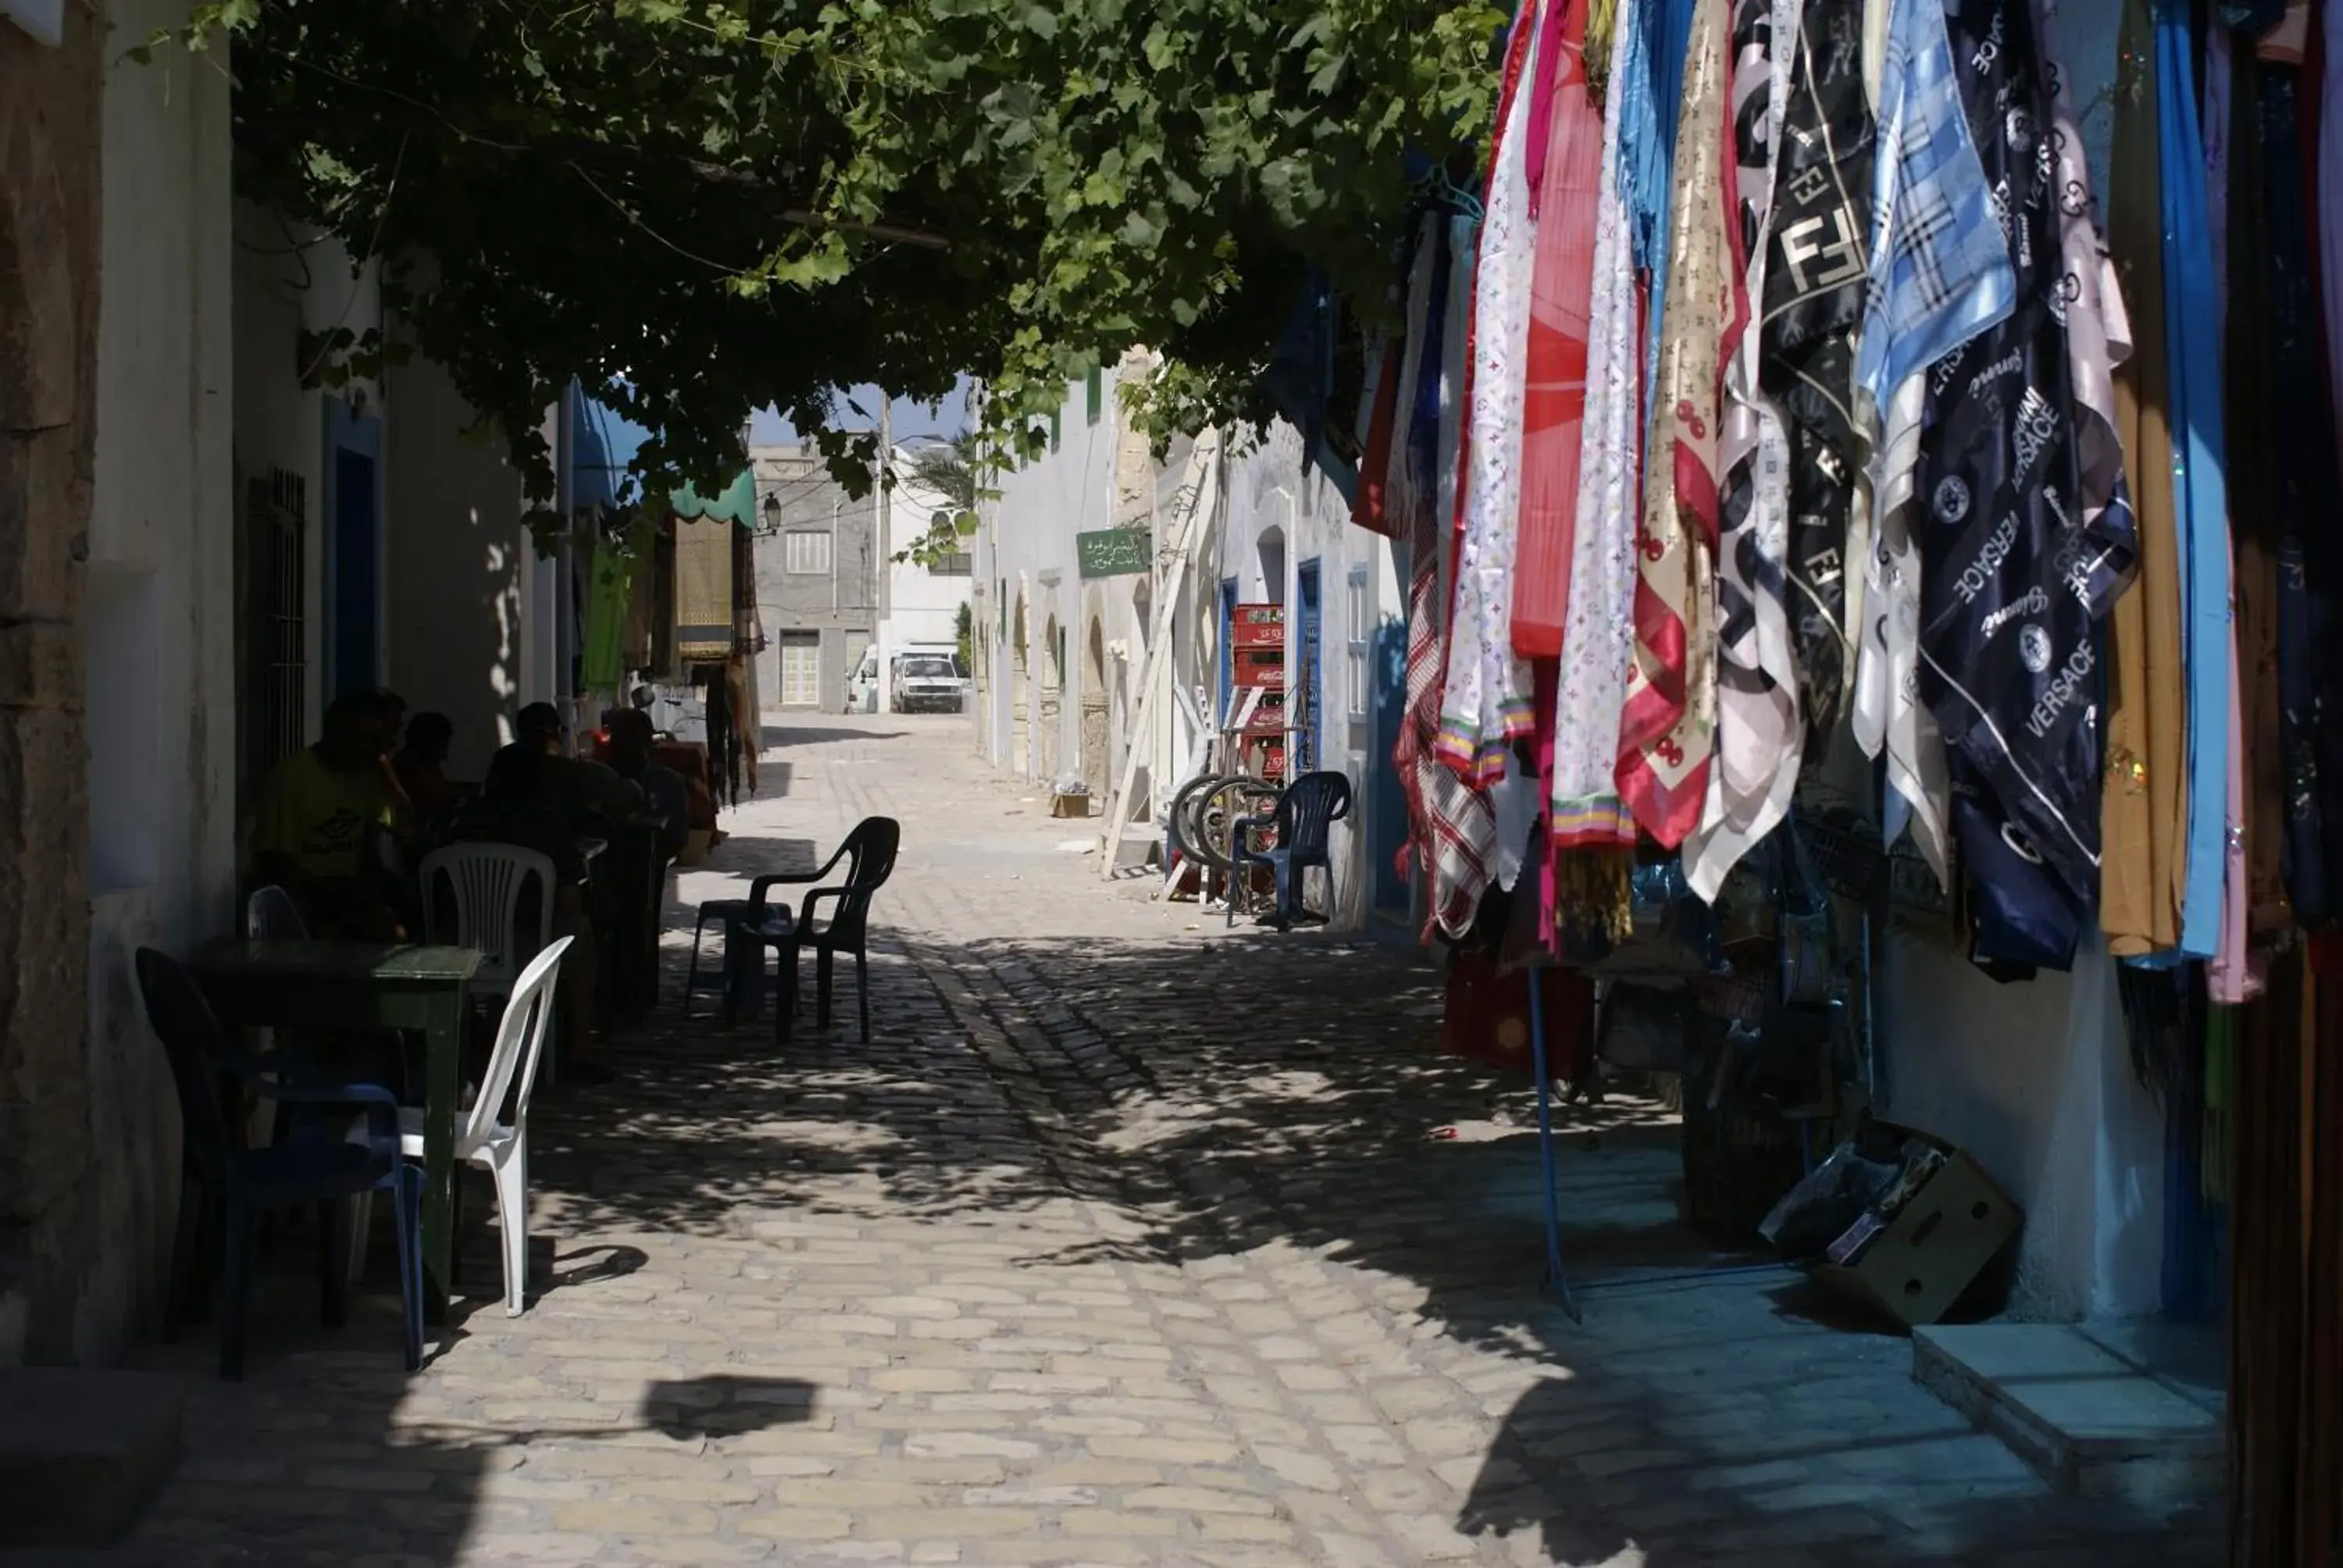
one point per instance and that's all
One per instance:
(316, 815)
(703, 588)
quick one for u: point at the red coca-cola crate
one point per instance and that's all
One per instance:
(1257, 626)
(1258, 667)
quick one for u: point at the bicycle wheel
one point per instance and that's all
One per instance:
(1237, 800)
(1187, 828)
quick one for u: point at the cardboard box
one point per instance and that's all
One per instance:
(1929, 1254)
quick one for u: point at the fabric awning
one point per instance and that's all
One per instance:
(737, 505)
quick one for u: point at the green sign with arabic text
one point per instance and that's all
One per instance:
(1114, 552)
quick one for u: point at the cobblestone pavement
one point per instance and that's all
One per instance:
(1125, 1242)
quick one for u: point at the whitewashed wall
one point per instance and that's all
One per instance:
(459, 569)
(1025, 551)
(159, 638)
(1283, 514)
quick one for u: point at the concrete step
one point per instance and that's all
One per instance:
(2130, 1413)
(81, 1452)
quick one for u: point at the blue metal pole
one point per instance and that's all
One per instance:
(1558, 1277)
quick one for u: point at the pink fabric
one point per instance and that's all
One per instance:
(1543, 78)
(1554, 401)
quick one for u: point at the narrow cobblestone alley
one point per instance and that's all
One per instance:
(1124, 1242)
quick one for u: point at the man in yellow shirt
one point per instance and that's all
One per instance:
(312, 834)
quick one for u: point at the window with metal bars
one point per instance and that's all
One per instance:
(276, 676)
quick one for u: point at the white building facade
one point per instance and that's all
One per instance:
(1063, 659)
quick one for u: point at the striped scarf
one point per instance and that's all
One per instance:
(1452, 830)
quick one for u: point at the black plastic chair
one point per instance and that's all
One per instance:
(319, 1166)
(869, 854)
(1304, 820)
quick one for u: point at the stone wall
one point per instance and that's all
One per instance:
(158, 639)
(50, 140)
(116, 689)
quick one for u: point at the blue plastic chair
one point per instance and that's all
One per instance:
(316, 1166)
(1304, 823)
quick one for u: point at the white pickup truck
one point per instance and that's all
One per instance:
(929, 683)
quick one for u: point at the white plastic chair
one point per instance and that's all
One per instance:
(270, 915)
(488, 880)
(501, 1148)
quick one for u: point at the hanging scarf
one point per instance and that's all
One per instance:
(1464, 831)
(1812, 302)
(1455, 829)
(1757, 733)
(2198, 487)
(2013, 581)
(2229, 170)
(2323, 194)
(1666, 732)
(1371, 507)
(2144, 794)
(1485, 704)
(1555, 410)
(1599, 639)
(1406, 488)
(1663, 44)
(2305, 498)
(1939, 274)
(2243, 250)
(1412, 501)
(2089, 300)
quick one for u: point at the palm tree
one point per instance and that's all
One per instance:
(948, 470)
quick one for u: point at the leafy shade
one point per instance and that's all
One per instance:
(701, 207)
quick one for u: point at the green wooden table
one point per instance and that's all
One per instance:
(323, 985)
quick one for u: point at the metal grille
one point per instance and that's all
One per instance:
(276, 513)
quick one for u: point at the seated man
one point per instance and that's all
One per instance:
(321, 815)
(516, 807)
(631, 742)
(422, 763)
(586, 791)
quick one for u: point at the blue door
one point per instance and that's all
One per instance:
(352, 590)
(1387, 801)
(356, 591)
(1309, 683)
(1228, 652)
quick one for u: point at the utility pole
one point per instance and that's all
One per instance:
(884, 555)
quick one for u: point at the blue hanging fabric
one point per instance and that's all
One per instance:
(2199, 484)
(1659, 37)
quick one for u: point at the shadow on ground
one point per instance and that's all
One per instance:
(1225, 1096)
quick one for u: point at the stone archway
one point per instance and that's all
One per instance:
(1094, 727)
(1020, 692)
(1051, 702)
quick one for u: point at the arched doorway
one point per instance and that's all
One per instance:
(1021, 696)
(1052, 702)
(1125, 715)
(1272, 552)
(1094, 711)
